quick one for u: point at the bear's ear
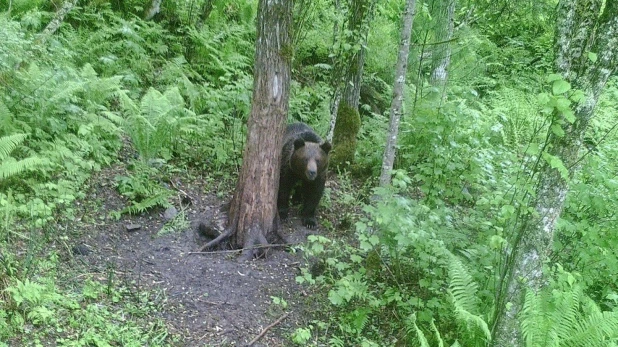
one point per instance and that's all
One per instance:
(298, 143)
(326, 147)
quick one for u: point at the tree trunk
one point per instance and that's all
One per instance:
(400, 81)
(253, 209)
(586, 51)
(442, 54)
(347, 121)
(55, 23)
(153, 9)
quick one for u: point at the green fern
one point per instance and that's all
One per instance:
(567, 318)
(413, 329)
(463, 292)
(157, 122)
(9, 143)
(160, 199)
(515, 110)
(10, 166)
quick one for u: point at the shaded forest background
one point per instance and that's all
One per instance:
(419, 265)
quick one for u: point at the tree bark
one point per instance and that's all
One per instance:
(334, 103)
(580, 30)
(253, 209)
(155, 7)
(55, 23)
(400, 81)
(344, 130)
(442, 53)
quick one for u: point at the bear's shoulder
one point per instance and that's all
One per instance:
(302, 131)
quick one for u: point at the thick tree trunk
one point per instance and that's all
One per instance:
(346, 124)
(396, 105)
(580, 30)
(253, 209)
(442, 53)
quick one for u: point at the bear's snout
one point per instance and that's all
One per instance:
(311, 174)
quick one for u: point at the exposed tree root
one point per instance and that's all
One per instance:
(214, 226)
(218, 240)
(270, 245)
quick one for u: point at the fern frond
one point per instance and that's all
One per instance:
(537, 324)
(567, 311)
(462, 286)
(6, 118)
(9, 143)
(437, 334)
(566, 318)
(598, 329)
(411, 327)
(160, 199)
(11, 167)
(462, 290)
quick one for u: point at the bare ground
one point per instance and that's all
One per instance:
(210, 299)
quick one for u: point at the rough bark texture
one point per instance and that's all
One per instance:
(396, 105)
(352, 67)
(253, 209)
(579, 30)
(55, 23)
(442, 54)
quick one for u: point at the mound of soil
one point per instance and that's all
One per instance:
(212, 299)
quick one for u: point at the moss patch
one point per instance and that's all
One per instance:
(344, 136)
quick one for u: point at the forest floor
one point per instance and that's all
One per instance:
(207, 299)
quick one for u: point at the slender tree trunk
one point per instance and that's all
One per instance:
(442, 54)
(55, 23)
(347, 121)
(400, 81)
(586, 51)
(336, 97)
(153, 9)
(253, 209)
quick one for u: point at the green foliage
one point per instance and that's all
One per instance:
(157, 123)
(301, 336)
(10, 166)
(175, 225)
(447, 152)
(566, 317)
(515, 109)
(464, 294)
(38, 310)
(399, 269)
(143, 188)
(426, 260)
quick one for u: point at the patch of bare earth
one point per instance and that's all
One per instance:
(211, 299)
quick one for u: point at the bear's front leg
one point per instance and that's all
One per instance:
(312, 193)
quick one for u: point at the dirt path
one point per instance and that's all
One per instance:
(212, 299)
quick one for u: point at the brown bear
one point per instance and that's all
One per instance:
(304, 159)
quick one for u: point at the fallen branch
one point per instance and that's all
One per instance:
(266, 329)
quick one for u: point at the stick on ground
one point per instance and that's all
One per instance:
(266, 330)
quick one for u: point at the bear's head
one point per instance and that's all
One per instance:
(310, 159)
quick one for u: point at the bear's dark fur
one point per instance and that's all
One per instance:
(304, 159)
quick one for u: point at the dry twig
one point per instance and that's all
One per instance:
(266, 330)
